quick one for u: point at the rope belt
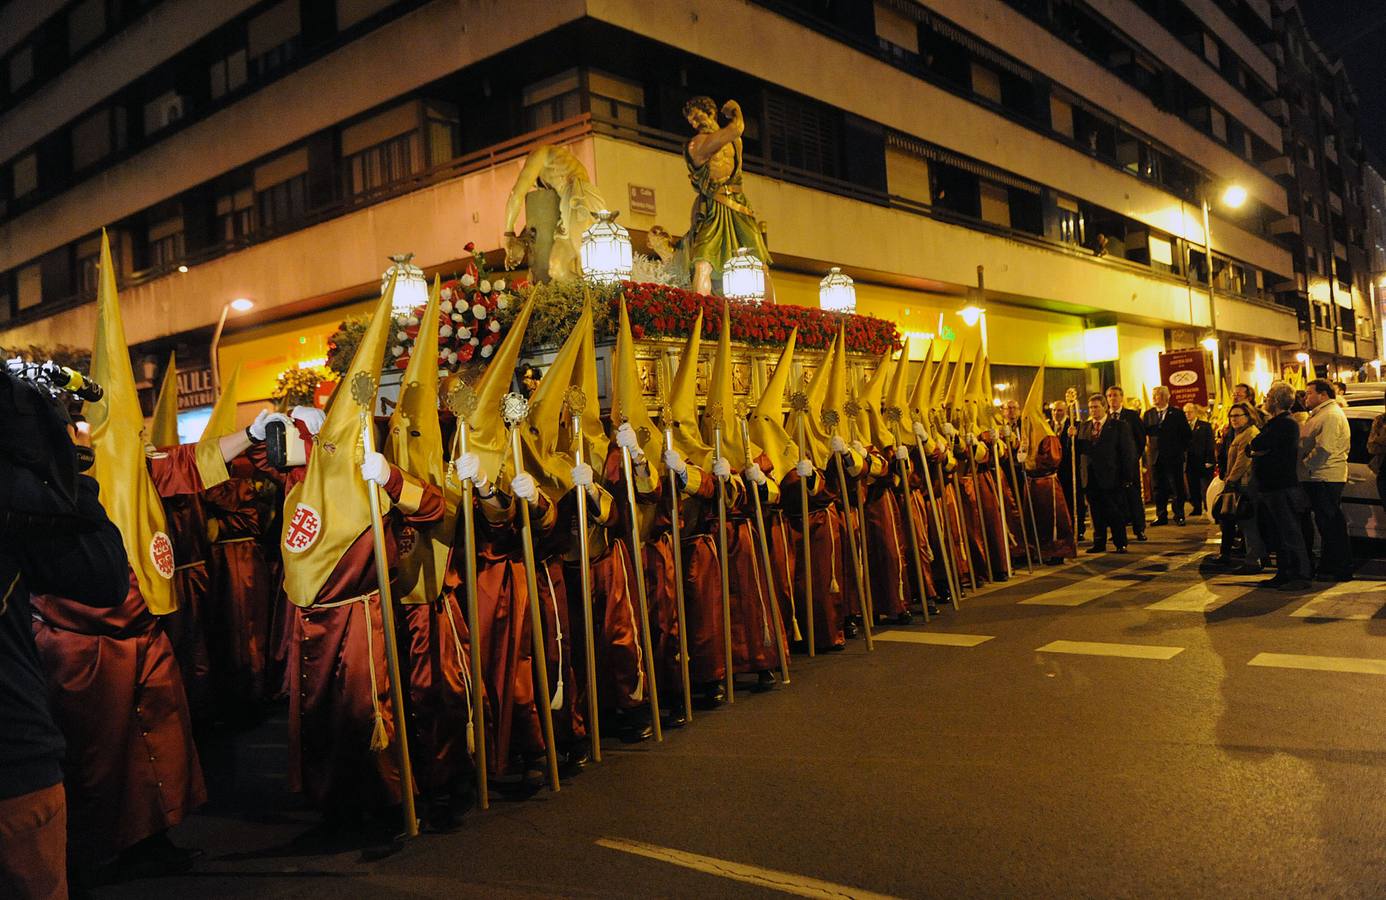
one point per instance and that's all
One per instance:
(379, 740)
(238, 540)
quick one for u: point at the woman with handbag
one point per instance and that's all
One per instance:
(1236, 506)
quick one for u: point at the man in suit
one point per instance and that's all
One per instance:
(1109, 467)
(1202, 456)
(1133, 503)
(1169, 435)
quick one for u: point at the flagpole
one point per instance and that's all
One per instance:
(892, 417)
(666, 415)
(714, 410)
(363, 392)
(830, 421)
(514, 410)
(576, 401)
(764, 547)
(463, 403)
(638, 563)
(799, 401)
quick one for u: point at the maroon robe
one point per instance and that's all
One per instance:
(887, 541)
(132, 769)
(827, 550)
(188, 625)
(1053, 520)
(752, 605)
(702, 577)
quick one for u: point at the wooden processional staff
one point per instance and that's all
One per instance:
(717, 415)
(798, 401)
(852, 409)
(960, 545)
(853, 514)
(638, 564)
(666, 418)
(363, 392)
(945, 548)
(514, 410)
(462, 401)
(742, 411)
(892, 417)
(576, 401)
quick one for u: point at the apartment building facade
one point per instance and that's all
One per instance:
(280, 150)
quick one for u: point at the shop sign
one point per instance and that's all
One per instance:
(195, 388)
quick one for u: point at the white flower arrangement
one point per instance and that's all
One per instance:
(445, 331)
(478, 312)
(468, 280)
(485, 286)
(494, 325)
(486, 351)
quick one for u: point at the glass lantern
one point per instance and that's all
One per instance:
(606, 251)
(411, 290)
(743, 277)
(837, 293)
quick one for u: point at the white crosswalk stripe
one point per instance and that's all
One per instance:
(1098, 648)
(936, 638)
(1100, 585)
(1355, 600)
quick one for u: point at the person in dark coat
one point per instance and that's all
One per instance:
(1280, 500)
(1168, 435)
(1198, 464)
(1134, 502)
(1109, 468)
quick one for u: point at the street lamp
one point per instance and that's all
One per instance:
(606, 252)
(411, 290)
(971, 316)
(836, 292)
(240, 305)
(743, 277)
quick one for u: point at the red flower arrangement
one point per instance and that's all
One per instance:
(475, 310)
(658, 310)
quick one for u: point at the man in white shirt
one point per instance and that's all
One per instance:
(1324, 439)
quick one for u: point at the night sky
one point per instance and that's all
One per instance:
(1356, 31)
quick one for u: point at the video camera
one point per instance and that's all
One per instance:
(54, 379)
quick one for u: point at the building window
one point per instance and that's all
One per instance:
(896, 29)
(166, 243)
(986, 83)
(235, 215)
(162, 111)
(225, 75)
(1061, 116)
(283, 203)
(552, 100)
(272, 38)
(613, 98)
(25, 175)
(85, 23)
(382, 165)
(21, 67)
(802, 134)
(1072, 228)
(443, 130)
(92, 137)
(1217, 124)
(88, 259)
(30, 280)
(996, 203)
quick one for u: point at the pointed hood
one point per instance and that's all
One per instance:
(163, 429)
(546, 457)
(222, 421)
(897, 396)
(487, 437)
(1034, 424)
(871, 398)
(720, 393)
(767, 421)
(683, 402)
(326, 512)
(627, 394)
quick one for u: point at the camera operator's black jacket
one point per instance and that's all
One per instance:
(54, 538)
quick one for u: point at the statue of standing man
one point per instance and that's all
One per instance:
(723, 220)
(558, 199)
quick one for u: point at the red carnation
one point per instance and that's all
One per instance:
(637, 331)
(469, 246)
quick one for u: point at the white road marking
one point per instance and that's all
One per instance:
(1355, 600)
(1091, 588)
(1201, 597)
(1320, 663)
(784, 882)
(938, 638)
(1095, 648)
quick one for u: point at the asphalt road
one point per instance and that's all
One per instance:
(1233, 746)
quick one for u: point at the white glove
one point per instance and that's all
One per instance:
(969, 439)
(721, 468)
(523, 486)
(754, 475)
(257, 428)
(375, 468)
(803, 467)
(1020, 456)
(582, 475)
(902, 452)
(919, 431)
(859, 447)
(837, 444)
(949, 430)
(675, 462)
(625, 437)
(1005, 431)
(310, 416)
(468, 465)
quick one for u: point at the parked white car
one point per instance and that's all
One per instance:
(1361, 505)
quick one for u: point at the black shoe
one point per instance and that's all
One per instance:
(678, 716)
(1295, 584)
(714, 694)
(903, 618)
(1248, 569)
(1121, 548)
(1276, 581)
(765, 681)
(1160, 521)
(1097, 548)
(1140, 536)
(835, 648)
(1054, 561)
(577, 758)
(635, 726)
(1179, 522)
(849, 628)
(1219, 560)
(933, 610)
(440, 817)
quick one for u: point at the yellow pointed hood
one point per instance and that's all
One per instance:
(720, 392)
(897, 395)
(627, 394)
(222, 421)
(767, 420)
(163, 429)
(683, 402)
(871, 397)
(546, 457)
(326, 512)
(487, 437)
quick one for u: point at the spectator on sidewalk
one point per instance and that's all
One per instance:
(1274, 467)
(1324, 440)
(1133, 502)
(1108, 468)
(1202, 456)
(1169, 435)
(1238, 511)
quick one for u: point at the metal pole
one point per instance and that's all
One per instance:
(1018, 490)
(473, 617)
(892, 416)
(812, 637)
(765, 557)
(594, 728)
(679, 598)
(536, 620)
(869, 603)
(638, 563)
(944, 541)
(830, 420)
(216, 344)
(729, 681)
(364, 391)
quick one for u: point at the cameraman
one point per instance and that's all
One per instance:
(54, 537)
